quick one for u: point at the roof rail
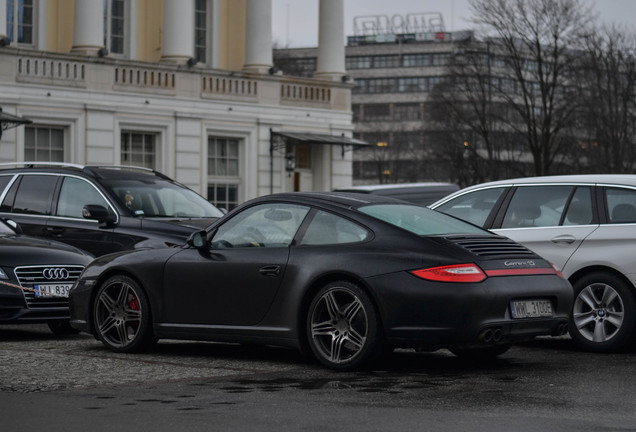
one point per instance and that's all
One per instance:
(128, 167)
(39, 164)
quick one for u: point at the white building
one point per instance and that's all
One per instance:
(181, 86)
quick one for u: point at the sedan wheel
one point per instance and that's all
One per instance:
(603, 313)
(343, 327)
(122, 315)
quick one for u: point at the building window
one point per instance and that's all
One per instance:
(302, 155)
(114, 25)
(43, 144)
(407, 112)
(412, 85)
(386, 61)
(201, 30)
(20, 19)
(223, 196)
(223, 172)
(411, 60)
(139, 149)
(358, 62)
(377, 112)
(375, 85)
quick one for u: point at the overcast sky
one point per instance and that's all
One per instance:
(295, 22)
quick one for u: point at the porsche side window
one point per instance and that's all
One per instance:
(74, 195)
(327, 228)
(266, 225)
(536, 206)
(474, 207)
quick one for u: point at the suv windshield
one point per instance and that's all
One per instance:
(161, 198)
(420, 220)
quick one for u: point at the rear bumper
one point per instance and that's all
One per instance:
(420, 313)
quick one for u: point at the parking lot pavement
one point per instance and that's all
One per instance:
(546, 385)
(35, 360)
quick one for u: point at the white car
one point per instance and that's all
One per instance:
(586, 226)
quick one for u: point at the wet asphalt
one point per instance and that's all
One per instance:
(73, 383)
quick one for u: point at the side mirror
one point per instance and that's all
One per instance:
(197, 239)
(98, 213)
(14, 225)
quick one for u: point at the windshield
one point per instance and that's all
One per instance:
(419, 220)
(161, 198)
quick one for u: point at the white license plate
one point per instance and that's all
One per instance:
(48, 290)
(531, 308)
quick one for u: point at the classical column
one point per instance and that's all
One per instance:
(3, 19)
(331, 46)
(258, 36)
(178, 31)
(88, 26)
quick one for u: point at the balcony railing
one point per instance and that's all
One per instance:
(104, 74)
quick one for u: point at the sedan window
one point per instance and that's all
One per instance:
(265, 225)
(536, 206)
(327, 228)
(474, 207)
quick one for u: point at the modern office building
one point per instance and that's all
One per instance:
(394, 68)
(185, 87)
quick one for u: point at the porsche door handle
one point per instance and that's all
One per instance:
(55, 231)
(270, 270)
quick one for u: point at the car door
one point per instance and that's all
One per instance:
(234, 281)
(551, 220)
(68, 224)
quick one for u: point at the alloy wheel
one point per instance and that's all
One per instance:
(598, 312)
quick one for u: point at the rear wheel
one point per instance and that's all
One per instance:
(343, 328)
(603, 314)
(122, 315)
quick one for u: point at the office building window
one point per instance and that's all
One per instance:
(20, 19)
(139, 149)
(43, 144)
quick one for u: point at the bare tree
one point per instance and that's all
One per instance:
(606, 84)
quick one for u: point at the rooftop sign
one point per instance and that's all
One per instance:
(373, 25)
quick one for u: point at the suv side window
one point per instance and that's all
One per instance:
(474, 207)
(536, 206)
(74, 195)
(33, 195)
(621, 205)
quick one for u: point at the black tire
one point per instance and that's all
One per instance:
(62, 328)
(603, 313)
(481, 353)
(121, 315)
(343, 327)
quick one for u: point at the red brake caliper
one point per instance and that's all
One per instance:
(134, 304)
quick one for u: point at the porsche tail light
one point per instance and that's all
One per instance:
(452, 273)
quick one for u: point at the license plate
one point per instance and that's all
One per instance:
(531, 308)
(48, 290)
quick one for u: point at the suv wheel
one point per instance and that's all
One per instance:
(603, 314)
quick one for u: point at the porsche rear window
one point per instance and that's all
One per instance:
(420, 220)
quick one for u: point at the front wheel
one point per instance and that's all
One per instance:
(603, 313)
(122, 316)
(343, 327)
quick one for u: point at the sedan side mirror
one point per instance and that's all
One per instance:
(98, 213)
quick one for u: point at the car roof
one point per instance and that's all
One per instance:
(336, 199)
(398, 186)
(95, 171)
(617, 179)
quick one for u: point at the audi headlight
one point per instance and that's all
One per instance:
(3, 275)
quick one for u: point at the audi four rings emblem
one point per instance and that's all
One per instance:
(55, 273)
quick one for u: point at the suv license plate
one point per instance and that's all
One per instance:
(52, 290)
(531, 308)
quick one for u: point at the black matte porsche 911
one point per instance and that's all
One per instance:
(342, 276)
